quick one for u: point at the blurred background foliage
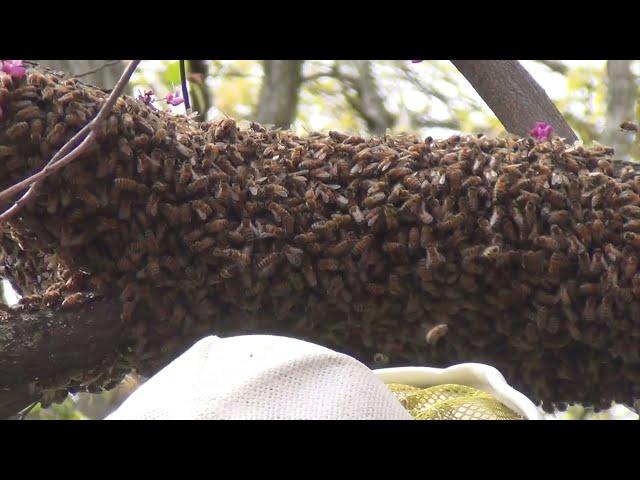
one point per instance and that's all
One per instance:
(366, 97)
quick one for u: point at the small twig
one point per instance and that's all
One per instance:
(69, 151)
(185, 88)
(25, 412)
(97, 69)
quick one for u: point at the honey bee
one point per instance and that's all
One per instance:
(73, 300)
(19, 129)
(268, 262)
(629, 126)
(130, 185)
(309, 275)
(434, 258)
(557, 262)
(436, 333)
(202, 245)
(632, 239)
(375, 200)
(341, 248)
(328, 264)
(89, 199)
(362, 245)
(202, 208)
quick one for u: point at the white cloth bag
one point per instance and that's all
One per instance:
(262, 377)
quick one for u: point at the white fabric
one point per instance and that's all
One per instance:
(262, 377)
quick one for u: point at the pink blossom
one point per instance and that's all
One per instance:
(542, 131)
(146, 98)
(174, 99)
(13, 68)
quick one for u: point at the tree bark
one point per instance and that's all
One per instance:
(38, 347)
(621, 98)
(514, 96)
(278, 101)
(368, 103)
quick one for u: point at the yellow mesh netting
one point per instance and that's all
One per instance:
(451, 402)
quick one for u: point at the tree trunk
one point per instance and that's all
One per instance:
(200, 93)
(278, 99)
(368, 103)
(514, 96)
(621, 100)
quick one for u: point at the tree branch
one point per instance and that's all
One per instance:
(189, 222)
(514, 96)
(367, 101)
(36, 348)
(555, 66)
(68, 152)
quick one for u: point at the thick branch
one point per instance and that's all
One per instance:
(360, 245)
(514, 96)
(38, 347)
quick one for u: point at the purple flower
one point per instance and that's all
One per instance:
(13, 68)
(542, 131)
(146, 98)
(174, 99)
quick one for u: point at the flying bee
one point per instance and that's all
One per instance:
(629, 126)
(436, 333)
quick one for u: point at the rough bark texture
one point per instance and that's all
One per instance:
(278, 99)
(43, 347)
(621, 101)
(514, 96)
(368, 102)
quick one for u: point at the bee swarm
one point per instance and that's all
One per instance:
(397, 250)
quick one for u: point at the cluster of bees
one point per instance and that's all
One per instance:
(397, 250)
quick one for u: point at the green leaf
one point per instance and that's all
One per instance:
(171, 76)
